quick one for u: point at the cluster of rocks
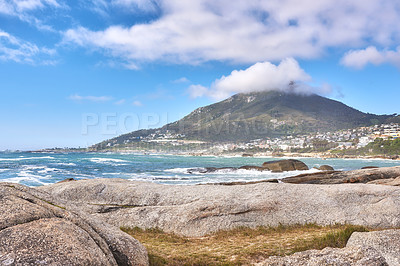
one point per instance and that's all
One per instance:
(196, 211)
(369, 174)
(76, 222)
(273, 166)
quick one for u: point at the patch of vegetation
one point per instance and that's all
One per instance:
(51, 203)
(241, 245)
(116, 205)
(336, 239)
(381, 146)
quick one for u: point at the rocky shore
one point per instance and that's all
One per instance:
(387, 175)
(203, 209)
(77, 222)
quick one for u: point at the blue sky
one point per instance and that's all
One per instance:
(77, 72)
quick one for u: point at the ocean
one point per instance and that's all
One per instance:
(37, 169)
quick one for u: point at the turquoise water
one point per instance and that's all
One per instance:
(36, 169)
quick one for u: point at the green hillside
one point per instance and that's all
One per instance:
(263, 114)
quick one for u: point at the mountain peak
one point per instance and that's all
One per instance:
(255, 115)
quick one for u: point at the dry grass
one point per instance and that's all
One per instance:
(239, 246)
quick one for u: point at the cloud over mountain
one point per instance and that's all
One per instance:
(287, 76)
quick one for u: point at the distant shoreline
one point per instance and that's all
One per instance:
(234, 154)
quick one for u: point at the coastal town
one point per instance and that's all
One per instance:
(339, 140)
(318, 142)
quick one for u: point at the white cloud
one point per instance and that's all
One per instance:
(23, 9)
(196, 91)
(360, 58)
(17, 50)
(104, 7)
(181, 80)
(287, 76)
(13, 7)
(98, 6)
(245, 31)
(130, 65)
(6, 8)
(137, 103)
(145, 5)
(120, 102)
(77, 97)
(34, 4)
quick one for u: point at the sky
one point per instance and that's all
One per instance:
(76, 72)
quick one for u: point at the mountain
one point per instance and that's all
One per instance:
(263, 114)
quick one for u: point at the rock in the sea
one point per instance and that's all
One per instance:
(357, 256)
(67, 180)
(252, 167)
(285, 165)
(206, 170)
(203, 209)
(339, 177)
(325, 168)
(274, 166)
(35, 228)
(369, 167)
(386, 242)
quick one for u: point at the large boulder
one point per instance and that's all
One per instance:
(285, 165)
(203, 209)
(325, 168)
(36, 228)
(357, 256)
(386, 242)
(50, 241)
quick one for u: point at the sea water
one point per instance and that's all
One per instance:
(36, 169)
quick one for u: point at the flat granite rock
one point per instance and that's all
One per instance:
(357, 256)
(204, 209)
(386, 242)
(36, 228)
